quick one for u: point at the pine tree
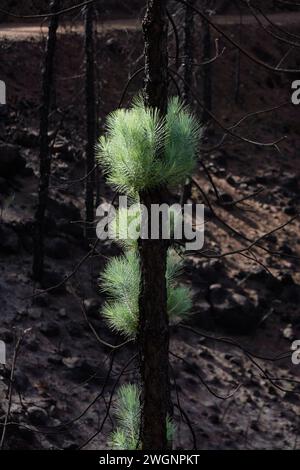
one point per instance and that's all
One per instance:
(44, 152)
(128, 154)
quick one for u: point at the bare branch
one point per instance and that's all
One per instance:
(11, 387)
(49, 14)
(109, 404)
(100, 341)
(273, 35)
(220, 397)
(226, 129)
(237, 46)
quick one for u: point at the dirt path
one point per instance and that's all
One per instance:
(33, 30)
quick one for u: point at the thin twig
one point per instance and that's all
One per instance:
(11, 387)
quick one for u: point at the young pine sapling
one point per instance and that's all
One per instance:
(128, 153)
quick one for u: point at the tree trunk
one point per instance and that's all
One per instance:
(237, 87)
(207, 71)
(91, 121)
(188, 77)
(153, 338)
(188, 51)
(44, 154)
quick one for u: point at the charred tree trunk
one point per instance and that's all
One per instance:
(44, 154)
(153, 338)
(238, 59)
(237, 87)
(207, 71)
(91, 122)
(188, 51)
(188, 76)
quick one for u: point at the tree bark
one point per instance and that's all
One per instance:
(207, 71)
(44, 153)
(237, 86)
(188, 77)
(91, 122)
(153, 338)
(188, 51)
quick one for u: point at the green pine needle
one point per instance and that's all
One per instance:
(125, 227)
(134, 139)
(127, 411)
(128, 414)
(121, 281)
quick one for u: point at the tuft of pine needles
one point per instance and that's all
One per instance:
(127, 411)
(126, 227)
(136, 137)
(121, 282)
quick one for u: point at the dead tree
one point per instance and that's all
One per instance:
(207, 68)
(188, 51)
(154, 325)
(44, 152)
(237, 87)
(188, 75)
(90, 96)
